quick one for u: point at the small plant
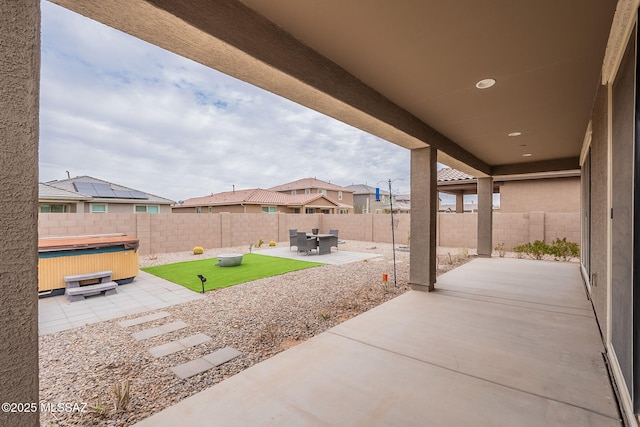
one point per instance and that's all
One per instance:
(465, 252)
(121, 394)
(272, 243)
(560, 249)
(260, 242)
(564, 250)
(99, 409)
(153, 257)
(325, 314)
(539, 249)
(198, 250)
(269, 334)
(501, 250)
(519, 251)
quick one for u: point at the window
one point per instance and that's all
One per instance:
(210, 209)
(198, 209)
(339, 195)
(95, 208)
(294, 192)
(45, 208)
(365, 211)
(321, 191)
(307, 191)
(154, 209)
(310, 210)
(269, 209)
(343, 211)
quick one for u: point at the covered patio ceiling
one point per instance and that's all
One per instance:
(405, 70)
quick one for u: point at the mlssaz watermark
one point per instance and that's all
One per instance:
(53, 407)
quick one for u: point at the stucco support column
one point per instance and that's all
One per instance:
(459, 203)
(424, 205)
(19, 105)
(485, 217)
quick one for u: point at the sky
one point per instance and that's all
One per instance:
(122, 110)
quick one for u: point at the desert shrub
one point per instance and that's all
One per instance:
(198, 250)
(560, 249)
(272, 243)
(538, 249)
(501, 250)
(564, 250)
(260, 243)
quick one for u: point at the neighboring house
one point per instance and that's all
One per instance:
(56, 200)
(258, 200)
(364, 201)
(342, 195)
(545, 192)
(92, 195)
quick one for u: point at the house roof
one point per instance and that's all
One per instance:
(359, 189)
(305, 183)
(258, 196)
(48, 192)
(80, 186)
(450, 174)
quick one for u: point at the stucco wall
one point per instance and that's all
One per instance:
(547, 195)
(159, 233)
(19, 80)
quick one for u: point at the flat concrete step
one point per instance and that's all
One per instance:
(179, 345)
(159, 330)
(143, 319)
(205, 363)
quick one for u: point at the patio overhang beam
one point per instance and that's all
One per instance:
(568, 163)
(228, 36)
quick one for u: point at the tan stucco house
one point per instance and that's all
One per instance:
(557, 191)
(342, 195)
(92, 195)
(364, 201)
(258, 200)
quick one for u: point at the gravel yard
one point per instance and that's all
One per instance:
(259, 318)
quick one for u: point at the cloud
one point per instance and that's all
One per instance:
(117, 108)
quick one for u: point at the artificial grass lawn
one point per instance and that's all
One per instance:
(253, 267)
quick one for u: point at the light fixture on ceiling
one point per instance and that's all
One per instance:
(518, 133)
(485, 83)
(527, 155)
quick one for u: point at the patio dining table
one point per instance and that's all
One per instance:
(324, 242)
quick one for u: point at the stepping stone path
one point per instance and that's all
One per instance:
(184, 370)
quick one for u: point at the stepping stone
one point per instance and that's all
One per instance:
(143, 319)
(205, 363)
(163, 329)
(179, 345)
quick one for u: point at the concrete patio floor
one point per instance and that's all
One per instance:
(145, 293)
(502, 342)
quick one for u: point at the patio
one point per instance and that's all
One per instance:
(500, 342)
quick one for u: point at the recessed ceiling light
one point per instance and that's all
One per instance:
(485, 83)
(527, 155)
(515, 134)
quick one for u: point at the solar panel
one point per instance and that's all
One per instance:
(99, 189)
(85, 188)
(138, 195)
(103, 190)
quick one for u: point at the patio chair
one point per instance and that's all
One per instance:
(293, 238)
(306, 244)
(334, 240)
